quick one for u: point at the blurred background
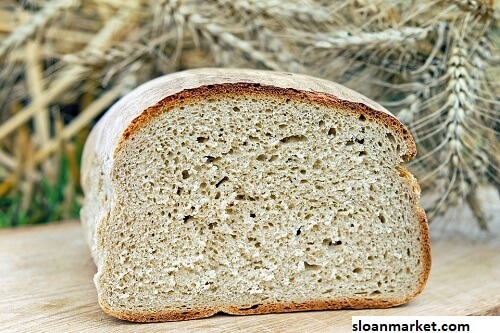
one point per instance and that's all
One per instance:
(63, 63)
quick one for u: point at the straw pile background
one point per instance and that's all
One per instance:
(63, 63)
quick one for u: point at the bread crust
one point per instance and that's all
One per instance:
(282, 307)
(147, 102)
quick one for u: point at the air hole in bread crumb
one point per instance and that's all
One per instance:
(299, 231)
(382, 218)
(211, 159)
(185, 174)
(294, 139)
(222, 181)
(332, 131)
(252, 215)
(201, 139)
(376, 292)
(245, 197)
(262, 157)
(349, 143)
(236, 109)
(391, 137)
(253, 307)
(321, 123)
(311, 267)
(362, 117)
(357, 270)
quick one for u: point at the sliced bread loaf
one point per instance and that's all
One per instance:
(245, 192)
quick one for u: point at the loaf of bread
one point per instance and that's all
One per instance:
(248, 192)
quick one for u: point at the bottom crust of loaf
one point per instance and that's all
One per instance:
(178, 315)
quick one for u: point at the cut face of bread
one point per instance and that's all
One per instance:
(247, 192)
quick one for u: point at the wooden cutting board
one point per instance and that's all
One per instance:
(46, 286)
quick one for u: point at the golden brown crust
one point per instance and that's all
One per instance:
(281, 307)
(425, 241)
(253, 90)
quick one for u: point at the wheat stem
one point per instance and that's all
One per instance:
(8, 161)
(95, 108)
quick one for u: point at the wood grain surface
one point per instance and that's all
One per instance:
(46, 286)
